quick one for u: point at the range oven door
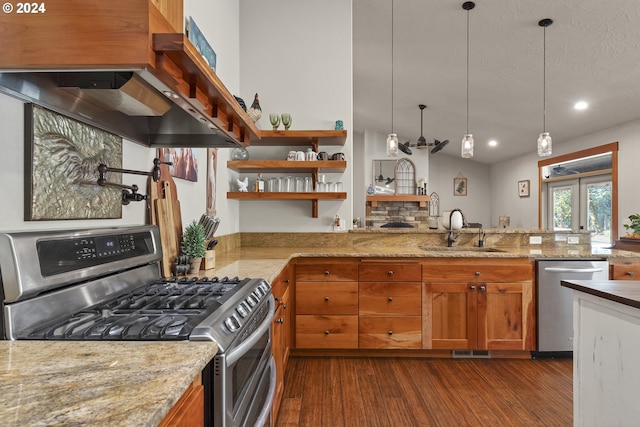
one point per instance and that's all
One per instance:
(243, 381)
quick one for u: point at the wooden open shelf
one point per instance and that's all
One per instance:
(313, 196)
(296, 138)
(287, 166)
(422, 200)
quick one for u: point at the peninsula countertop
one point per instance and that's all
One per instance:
(64, 383)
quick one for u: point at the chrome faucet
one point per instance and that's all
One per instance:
(452, 235)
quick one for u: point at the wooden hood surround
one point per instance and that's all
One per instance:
(130, 36)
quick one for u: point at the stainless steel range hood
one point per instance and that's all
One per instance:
(132, 104)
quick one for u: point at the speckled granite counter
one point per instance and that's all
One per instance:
(62, 383)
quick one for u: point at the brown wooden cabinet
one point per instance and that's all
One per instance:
(481, 304)
(326, 304)
(390, 305)
(189, 410)
(281, 333)
(624, 269)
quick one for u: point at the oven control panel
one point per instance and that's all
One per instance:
(83, 252)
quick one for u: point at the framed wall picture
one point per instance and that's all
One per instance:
(523, 188)
(61, 168)
(459, 186)
(184, 164)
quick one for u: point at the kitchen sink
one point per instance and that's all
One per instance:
(459, 249)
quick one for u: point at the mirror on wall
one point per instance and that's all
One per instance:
(384, 176)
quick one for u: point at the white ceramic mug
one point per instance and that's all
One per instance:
(291, 155)
(311, 155)
(300, 156)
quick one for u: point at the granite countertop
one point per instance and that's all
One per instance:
(267, 262)
(625, 292)
(64, 383)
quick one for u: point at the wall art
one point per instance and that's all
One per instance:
(184, 162)
(61, 168)
(523, 188)
(459, 186)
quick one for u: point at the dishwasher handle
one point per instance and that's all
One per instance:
(572, 270)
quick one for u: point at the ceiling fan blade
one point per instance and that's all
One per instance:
(405, 148)
(439, 145)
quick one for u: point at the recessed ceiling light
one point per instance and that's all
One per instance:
(493, 143)
(581, 105)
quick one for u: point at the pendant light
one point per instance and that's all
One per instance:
(467, 141)
(544, 140)
(392, 139)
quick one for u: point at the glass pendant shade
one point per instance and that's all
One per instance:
(392, 145)
(467, 146)
(544, 144)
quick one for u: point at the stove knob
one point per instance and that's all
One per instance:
(265, 287)
(246, 306)
(252, 301)
(257, 294)
(232, 324)
(242, 311)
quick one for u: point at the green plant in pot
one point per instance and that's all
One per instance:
(194, 245)
(633, 228)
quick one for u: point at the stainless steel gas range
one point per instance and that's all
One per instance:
(105, 284)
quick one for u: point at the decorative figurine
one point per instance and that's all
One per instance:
(255, 112)
(243, 185)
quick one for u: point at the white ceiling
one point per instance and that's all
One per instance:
(593, 54)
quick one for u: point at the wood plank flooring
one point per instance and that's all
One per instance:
(399, 392)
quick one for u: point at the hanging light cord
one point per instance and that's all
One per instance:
(544, 78)
(468, 71)
(391, 66)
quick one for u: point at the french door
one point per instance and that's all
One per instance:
(582, 203)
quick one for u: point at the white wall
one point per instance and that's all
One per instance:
(297, 56)
(524, 211)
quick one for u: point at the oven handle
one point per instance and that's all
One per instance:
(235, 355)
(266, 409)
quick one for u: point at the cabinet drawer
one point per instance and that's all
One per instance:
(326, 331)
(327, 272)
(390, 272)
(461, 271)
(625, 272)
(390, 332)
(390, 298)
(327, 298)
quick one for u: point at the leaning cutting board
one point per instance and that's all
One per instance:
(164, 216)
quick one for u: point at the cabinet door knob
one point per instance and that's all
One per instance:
(276, 299)
(326, 272)
(630, 273)
(280, 320)
(286, 280)
(284, 306)
(472, 287)
(390, 273)
(390, 299)
(390, 332)
(477, 273)
(483, 288)
(326, 332)
(326, 298)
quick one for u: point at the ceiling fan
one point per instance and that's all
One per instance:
(422, 141)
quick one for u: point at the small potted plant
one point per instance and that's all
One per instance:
(194, 245)
(633, 228)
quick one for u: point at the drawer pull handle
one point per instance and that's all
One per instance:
(276, 299)
(286, 280)
(390, 273)
(390, 299)
(630, 273)
(326, 298)
(326, 272)
(280, 320)
(477, 274)
(326, 332)
(472, 287)
(284, 305)
(483, 288)
(390, 332)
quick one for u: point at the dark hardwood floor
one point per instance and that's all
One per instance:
(398, 392)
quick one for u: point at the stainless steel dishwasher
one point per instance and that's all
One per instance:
(555, 302)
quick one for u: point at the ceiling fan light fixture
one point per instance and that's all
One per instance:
(544, 140)
(467, 141)
(422, 144)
